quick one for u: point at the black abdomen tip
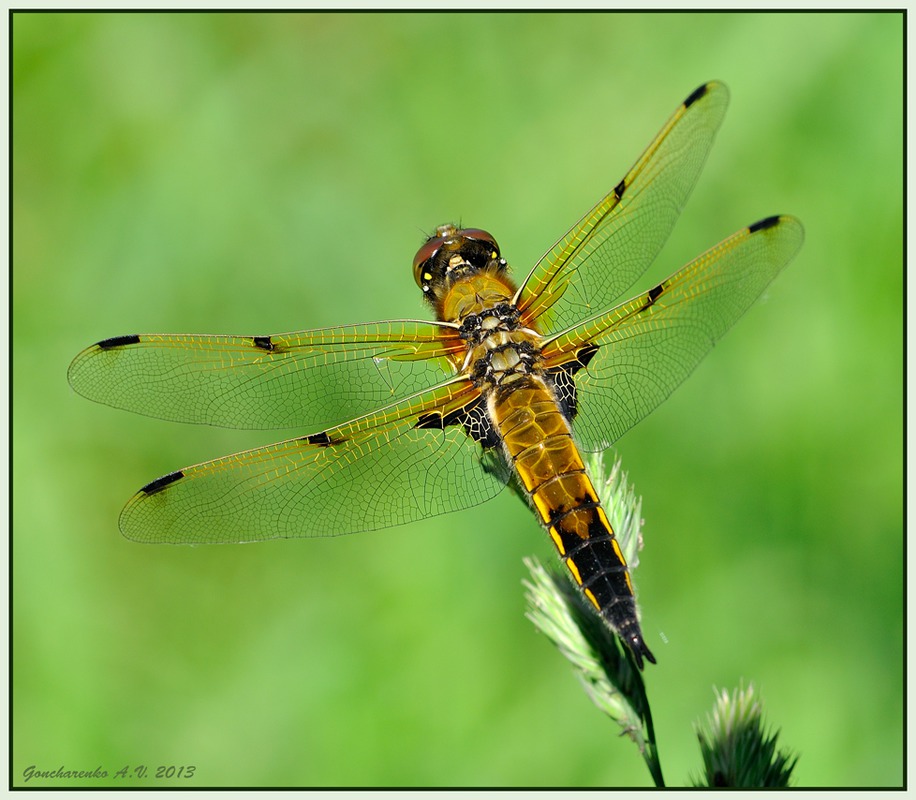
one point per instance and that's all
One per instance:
(639, 649)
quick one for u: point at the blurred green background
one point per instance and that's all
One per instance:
(264, 173)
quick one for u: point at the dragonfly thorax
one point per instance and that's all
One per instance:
(504, 358)
(500, 350)
(475, 327)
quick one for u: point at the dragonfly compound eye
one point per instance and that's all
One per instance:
(422, 272)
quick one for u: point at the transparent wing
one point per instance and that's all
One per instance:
(648, 345)
(374, 472)
(304, 379)
(614, 243)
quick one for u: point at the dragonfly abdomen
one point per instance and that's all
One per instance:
(538, 442)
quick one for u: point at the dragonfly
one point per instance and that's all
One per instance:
(505, 382)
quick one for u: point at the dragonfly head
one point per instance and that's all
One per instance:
(453, 253)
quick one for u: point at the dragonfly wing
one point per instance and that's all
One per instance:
(385, 469)
(637, 354)
(614, 243)
(304, 379)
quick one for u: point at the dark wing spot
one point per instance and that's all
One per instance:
(762, 225)
(563, 383)
(564, 388)
(620, 188)
(160, 483)
(584, 355)
(696, 94)
(118, 341)
(321, 440)
(472, 417)
(263, 342)
(476, 423)
(431, 420)
(652, 295)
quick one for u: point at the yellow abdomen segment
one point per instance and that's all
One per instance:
(538, 441)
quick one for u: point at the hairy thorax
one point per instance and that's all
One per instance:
(500, 352)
